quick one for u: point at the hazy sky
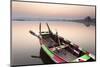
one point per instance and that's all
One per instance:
(31, 10)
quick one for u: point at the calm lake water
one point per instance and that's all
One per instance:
(24, 44)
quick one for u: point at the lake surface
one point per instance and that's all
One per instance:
(24, 44)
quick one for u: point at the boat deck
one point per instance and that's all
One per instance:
(66, 55)
(60, 50)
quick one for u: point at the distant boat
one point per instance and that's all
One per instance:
(55, 49)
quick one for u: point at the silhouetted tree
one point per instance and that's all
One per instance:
(88, 18)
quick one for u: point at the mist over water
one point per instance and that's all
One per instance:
(24, 44)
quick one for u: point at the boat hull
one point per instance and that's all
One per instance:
(45, 58)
